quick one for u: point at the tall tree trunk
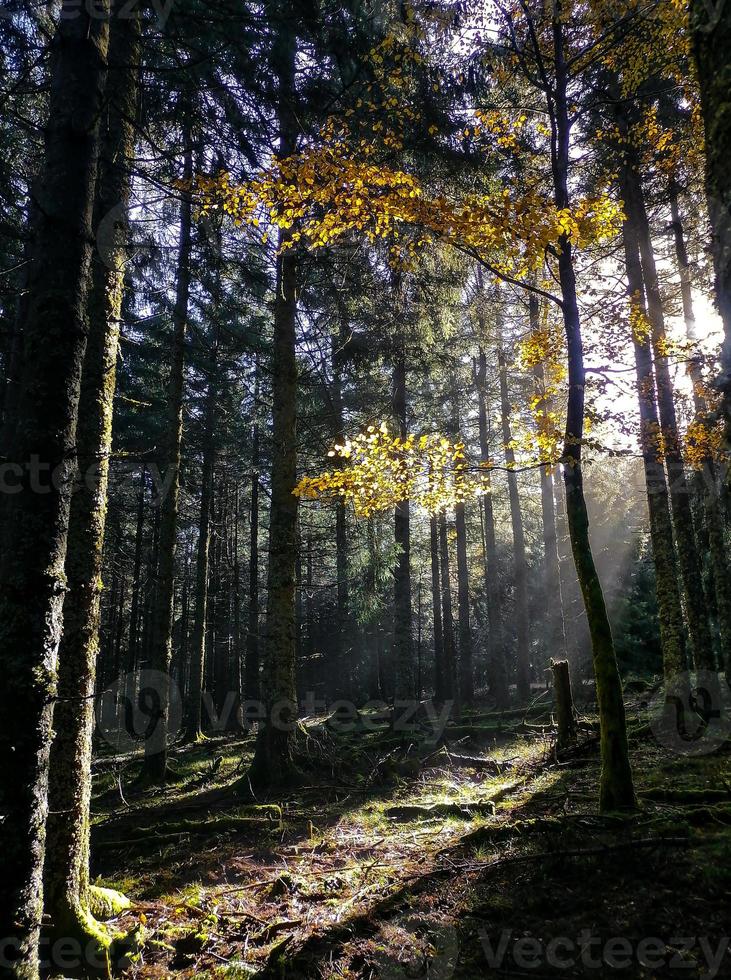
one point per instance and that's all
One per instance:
(466, 676)
(578, 638)
(198, 651)
(343, 639)
(273, 759)
(497, 671)
(35, 527)
(672, 629)
(402, 613)
(711, 503)
(436, 594)
(690, 568)
(711, 27)
(236, 605)
(616, 789)
(551, 570)
(156, 747)
(520, 565)
(134, 615)
(68, 900)
(251, 669)
(449, 678)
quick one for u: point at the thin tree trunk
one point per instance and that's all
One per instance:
(343, 665)
(551, 570)
(198, 651)
(251, 671)
(465, 675)
(711, 503)
(133, 650)
(402, 613)
(439, 691)
(672, 628)
(616, 787)
(273, 759)
(520, 565)
(711, 28)
(155, 766)
(498, 669)
(35, 529)
(690, 568)
(450, 686)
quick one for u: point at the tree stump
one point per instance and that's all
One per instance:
(565, 712)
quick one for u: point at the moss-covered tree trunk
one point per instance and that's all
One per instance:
(616, 789)
(708, 477)
(672, 628)
(497, 670)
(156, 745)
(42, 452)
(690, 566)
(711, 26)
(402, 612)
(274, 756)
(67, 899)
(520, 564)
(135, 612)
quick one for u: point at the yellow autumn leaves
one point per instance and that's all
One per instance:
(324, 194)
(378, 470)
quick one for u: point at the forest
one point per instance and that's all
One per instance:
(365, 506)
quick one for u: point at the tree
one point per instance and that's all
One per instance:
(69, 899)
(35, 524)
(274, 758)
(711, 32)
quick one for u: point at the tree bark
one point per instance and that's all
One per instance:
(616, 789)
(251, 669)
(449, 678)
(198, 651)
(436, 595)
(708, 478)
(156, 747)
(274, 756)
(402, 612)
(520, 565)
(690, 568)
(497, 671)
(711, 27)
(565, 712)
(67, 899)
(672, 628)
(343, 648)
(465, 673)
(551, 568)
(35, 528)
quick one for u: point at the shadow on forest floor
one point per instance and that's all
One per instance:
(397, 863)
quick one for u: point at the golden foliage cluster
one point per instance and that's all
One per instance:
(378, 470)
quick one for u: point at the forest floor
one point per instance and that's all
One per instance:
(397, 858)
